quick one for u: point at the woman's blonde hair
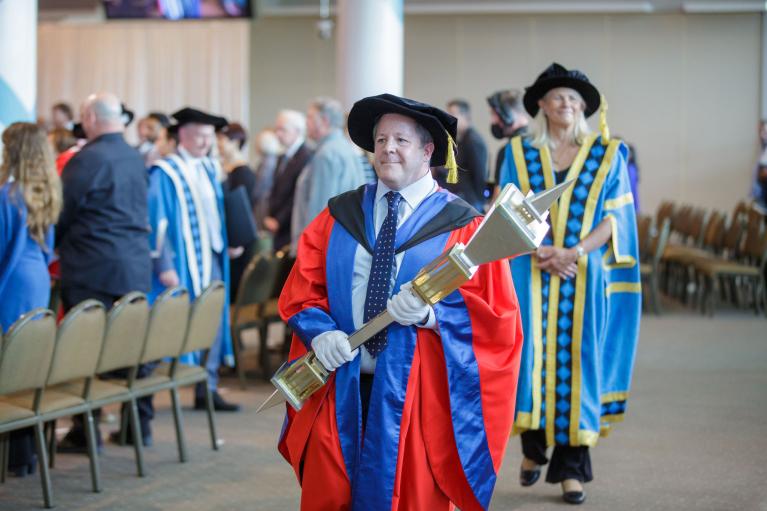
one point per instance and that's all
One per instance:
(539, 129)
(28, 159)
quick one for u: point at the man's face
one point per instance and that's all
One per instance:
(400, 158)
(197, 138)
(59, 118)
(316, 126)
(149, 129)
(286, 133)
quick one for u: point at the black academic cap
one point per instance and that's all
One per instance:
(555, 76)
(441, 125)
(190, 115)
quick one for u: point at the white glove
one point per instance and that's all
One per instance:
(333, 349)
(406, 308)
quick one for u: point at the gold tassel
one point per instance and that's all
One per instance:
(450, 165)
(603, 127)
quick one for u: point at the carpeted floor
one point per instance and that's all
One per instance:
(695, 438)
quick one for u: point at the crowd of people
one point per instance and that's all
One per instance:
(551, 336)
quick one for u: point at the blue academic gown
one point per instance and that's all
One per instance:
(24, 279)
(185, 246)
(580, 333)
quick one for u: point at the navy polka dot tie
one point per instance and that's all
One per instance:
(380, 273)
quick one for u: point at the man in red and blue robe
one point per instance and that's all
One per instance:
(423, 422)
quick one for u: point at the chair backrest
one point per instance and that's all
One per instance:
(659, 241)
(78, 343)
(733, 235)
(713, 235)
(257, 281)
(205, 319)
(284, 265)
(27, 350)
(168, 323)
(695, 228)
(665, 210)
(752, 246)
(125, 333)
(644, 224)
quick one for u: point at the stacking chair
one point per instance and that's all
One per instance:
(168, 322)
(78, 345)
(123, 344)
(254, 306)
(204, 323)
(748, 272)
(27, 350)
(650, 268)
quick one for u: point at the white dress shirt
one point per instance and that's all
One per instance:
(412, 196)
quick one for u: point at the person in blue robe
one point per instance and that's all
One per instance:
(30, 202)
(580, 293)
(188, 232)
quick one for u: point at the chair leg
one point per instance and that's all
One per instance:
(93, 453)
(42, 460)
(51, 427)
(211, 422)
(138, 445)
(237, 346)
(179, 423)
(124, 425)
(4, 453)
(655, 293)
(266, 367)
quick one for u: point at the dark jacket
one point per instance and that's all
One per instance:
(102, 232)
(283, 190)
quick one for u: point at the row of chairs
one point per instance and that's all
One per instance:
(699, 255)
(48, 372)
(255, 307)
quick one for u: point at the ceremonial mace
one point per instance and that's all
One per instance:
(516, 224)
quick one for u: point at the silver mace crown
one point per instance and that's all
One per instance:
(515, 225)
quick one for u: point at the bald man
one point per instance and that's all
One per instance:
(102, 234)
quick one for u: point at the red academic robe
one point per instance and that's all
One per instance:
(442, 404)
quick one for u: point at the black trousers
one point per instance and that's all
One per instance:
(567, 462)
(70, 297)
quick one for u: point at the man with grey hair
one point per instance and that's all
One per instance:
(102, 233)
(334, 169)
(290, 128)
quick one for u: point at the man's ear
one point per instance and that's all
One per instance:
(428, 150)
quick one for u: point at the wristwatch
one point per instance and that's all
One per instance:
(579, 250)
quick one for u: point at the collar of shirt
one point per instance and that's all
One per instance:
(290, 151)
(413, 194)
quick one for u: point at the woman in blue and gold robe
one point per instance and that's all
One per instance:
(579, 294)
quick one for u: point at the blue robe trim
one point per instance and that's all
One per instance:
(311, 322)
(465, 398)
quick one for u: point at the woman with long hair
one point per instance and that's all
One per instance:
(30, 202)
(579, 294)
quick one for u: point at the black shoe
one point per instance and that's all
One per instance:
(114, 437)
(69, 446)
(529, 477)
(574, 497)
(219, 404)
